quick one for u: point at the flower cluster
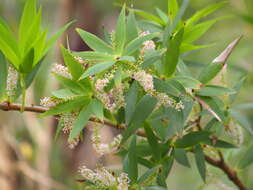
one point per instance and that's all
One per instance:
(102, 148)
(103, 178)
(12, 79)
(147, 45)
(112, 100)
(146, 81)
(67, 121)
(61, 70)
(49, 102)
(79, 60)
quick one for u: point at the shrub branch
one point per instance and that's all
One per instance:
(219, 163)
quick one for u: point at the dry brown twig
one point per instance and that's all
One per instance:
(219, 163)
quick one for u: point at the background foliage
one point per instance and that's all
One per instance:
(224, 31)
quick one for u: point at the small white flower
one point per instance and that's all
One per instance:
(48, 102)
(145, 80)
(88, 174)
(147, 45)
(145, 33)
(179, 106)
(79, 60)
(105, 177)
(123, 181)
(61, 70)
(102, 148)
(112, 100)
(101, 83)
(12, 79)
(68, 120)
(74, 143)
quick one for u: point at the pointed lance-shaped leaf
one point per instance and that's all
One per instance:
(171, 57)
(94, 42)
(211, 70)
(120, 33)
(200, 161)
(74, 67)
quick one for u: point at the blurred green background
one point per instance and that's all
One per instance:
(47, 164)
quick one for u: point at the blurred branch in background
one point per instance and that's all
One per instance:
(22, 166)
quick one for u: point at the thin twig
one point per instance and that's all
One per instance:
(221, 164)
(230, 172)
(39, 109)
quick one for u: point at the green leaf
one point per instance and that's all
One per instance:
(70, 105)
(30, 76)
(34, 32)
(188, 82)
(166, 87)
(143, 109)
(192, 139)
(72, 85)
(172, 8)
(200, 161)
(81, 121)
(39, 48)
(212, 90)
(211, 105)
(204, 12)
(183, 69)
(160, 128)
(181, 157)
(145, 162)
(176, 120)
(153, 142)
(195, 32)
(97, 56)
(94, 42)
(98, 68)
(165, 170)
(63, 93)
(209, 72)
(247, 158)
(242, 120)
(8, 37)
(221, 144)
(132, 169)
(120, 33)
(3, 75)
(223, 57)
(9, 53)
(97, 109)
(74, 67)
(236, 87)
(172, 26)
(151, 58)
(60, 126)
(149, 17)
(29, 13)
(162, 15)
(154, 188)
(190, 47)
(172, 54)
(131, 100)
(56, 36)
(149, 173)
(137, 43)
(27, 63)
